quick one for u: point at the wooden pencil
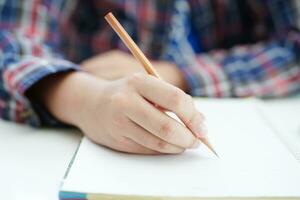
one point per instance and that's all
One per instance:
(139, 55)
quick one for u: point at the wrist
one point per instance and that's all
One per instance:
(67, 95)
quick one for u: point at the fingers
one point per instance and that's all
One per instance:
(160, 124)
(122, 144)
(172, 99)
(129, 146)
(148, 140)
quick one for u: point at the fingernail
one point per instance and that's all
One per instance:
(201, 131)
(196, 144)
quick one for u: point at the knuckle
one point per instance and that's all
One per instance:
(166, 130)
(144, 139)
(162, 145)
(136, 78)
(122, 142)
(195, 120)
(177, 98)
(192, 120)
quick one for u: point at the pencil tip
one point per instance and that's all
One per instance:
(207, 143)
(215, 153)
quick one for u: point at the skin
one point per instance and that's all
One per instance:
(117, 64)
(102, 103)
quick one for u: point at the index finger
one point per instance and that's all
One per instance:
(175, 100)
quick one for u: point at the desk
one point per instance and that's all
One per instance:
(33, 161)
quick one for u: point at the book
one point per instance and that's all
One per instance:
(283, 117)
(253, 163)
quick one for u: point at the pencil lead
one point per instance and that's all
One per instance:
(215, 153)
(205, 141)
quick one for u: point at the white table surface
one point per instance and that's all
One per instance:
(33, 161)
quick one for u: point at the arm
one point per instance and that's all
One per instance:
(116, 64)
(267, 69)
(264, 69)
(102, 108)
(28, 53)
(31, 77)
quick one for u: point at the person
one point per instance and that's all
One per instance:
(61, 64)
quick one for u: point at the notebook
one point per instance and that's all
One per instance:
(284, 117)
(253, 163)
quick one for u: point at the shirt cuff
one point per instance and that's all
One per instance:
(205, 77)
(21, 76)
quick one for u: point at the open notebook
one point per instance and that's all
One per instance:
(253, 163)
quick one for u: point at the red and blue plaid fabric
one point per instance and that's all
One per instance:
(239, 48)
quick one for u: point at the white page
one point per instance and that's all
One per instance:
(253, 163)
(284, 117)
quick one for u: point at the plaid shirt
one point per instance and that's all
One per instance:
(239, 48)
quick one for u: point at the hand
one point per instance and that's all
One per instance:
(117, 64)
(118, 114)
(112, 65)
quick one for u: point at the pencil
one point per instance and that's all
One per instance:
(139, 55)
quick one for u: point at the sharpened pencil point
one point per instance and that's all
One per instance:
(205, 141)
(215, 153)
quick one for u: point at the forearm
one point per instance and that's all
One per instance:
(171, 73)
(116, 64)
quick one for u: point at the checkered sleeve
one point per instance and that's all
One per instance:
(27, 55)
(266, 69)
